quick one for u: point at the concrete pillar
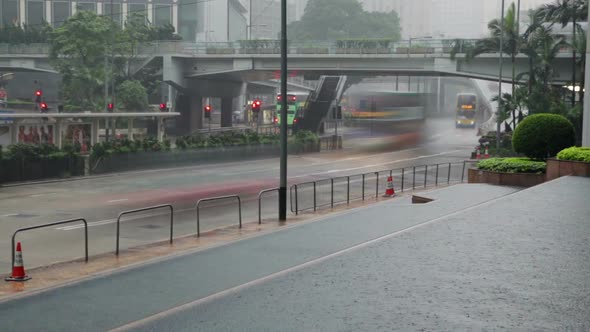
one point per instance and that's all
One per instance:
(99, 8)
(175, 15)
(94, 131)
(226, 111)
(14, 132)
(130, 129)
(586, 115)
(22, 13)
(48, 9)
(150, 12)
(160, 129)
(195, 115)
(114, 128)
(57, 135)
(74, 8)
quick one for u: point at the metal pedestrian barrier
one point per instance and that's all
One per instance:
(216, 199)
(260, 202)
(143, 210)
(20, 230)
(322, 193)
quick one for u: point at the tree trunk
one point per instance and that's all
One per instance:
(513, 87)
(574, 65)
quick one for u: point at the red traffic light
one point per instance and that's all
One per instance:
(258, 102)
(208, 108)
(38, 93)
(43, 105)
(162, 107)
(111, 106)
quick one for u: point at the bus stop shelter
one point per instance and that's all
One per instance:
(65, 128)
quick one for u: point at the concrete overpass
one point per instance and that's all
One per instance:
(196, 70)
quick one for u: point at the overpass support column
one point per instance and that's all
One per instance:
(130, 129)
(226, 111)
(94, 131)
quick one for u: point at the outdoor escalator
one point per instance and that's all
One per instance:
(319, 104)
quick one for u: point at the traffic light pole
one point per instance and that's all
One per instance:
(283, 166)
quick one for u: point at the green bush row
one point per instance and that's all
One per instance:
(31, 152)
(575, 153)
(226, 139)
(513, 165)
(364, 43)
(128, 146)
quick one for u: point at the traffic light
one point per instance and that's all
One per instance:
(162, 107)
(38, 95)
(207, 110)
(256, 106)
(110, 107)
(44, 107)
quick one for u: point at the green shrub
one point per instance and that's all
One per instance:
(541, 136)
(575, 153)
(304, 137)
(512, 165)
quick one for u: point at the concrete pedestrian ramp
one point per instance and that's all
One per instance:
(478, 257)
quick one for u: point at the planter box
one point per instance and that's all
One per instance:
(505, 179)
(558, 168)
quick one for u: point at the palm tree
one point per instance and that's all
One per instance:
(564, 12)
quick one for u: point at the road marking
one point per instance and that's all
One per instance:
(10, 215)
(42, 194)
(375, 165)
(236, 289)
(118, 200)
(112, 221)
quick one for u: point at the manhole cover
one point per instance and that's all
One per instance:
(151, 226)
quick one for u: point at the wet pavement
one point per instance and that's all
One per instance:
(477, 258)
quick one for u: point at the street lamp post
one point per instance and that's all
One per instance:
(283, 166)
(498, 118)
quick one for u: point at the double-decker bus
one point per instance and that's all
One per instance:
(296, 102)
(466, 110)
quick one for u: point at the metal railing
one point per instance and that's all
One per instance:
(323, 193)
(54, 224)
(219, 49)
(260, 202)
(124, 213)
(216, 199)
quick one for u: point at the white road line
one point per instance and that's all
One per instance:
(10, 215)
(118, 200)
(112, 221)
(42, 194)
(234, 290)
(375, 165)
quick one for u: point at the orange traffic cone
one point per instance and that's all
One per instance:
(389, 191)
(18, 268)
(478, 153)
(487, 153)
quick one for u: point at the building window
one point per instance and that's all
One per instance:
(86, 6)
(113, 12)
(162, 14)
(187, 19)
(61, 12)
(35, 13)
(9, 10)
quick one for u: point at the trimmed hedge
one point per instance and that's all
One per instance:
(513, 165)
(575, 153)
(541, 136)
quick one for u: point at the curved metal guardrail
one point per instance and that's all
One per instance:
(217, 199)
(20, 230)
(124, 213)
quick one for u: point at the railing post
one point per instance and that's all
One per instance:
(376, 184)
(239, 210)
(403, 175)
(171, 224)
(332, 192)
(296, 201)
(449, 175)
(363, 190)
(463, 172)
(198, 222)
(314, 197)
(436, 181)
(425, 175)
(348, 190)
(414, 178)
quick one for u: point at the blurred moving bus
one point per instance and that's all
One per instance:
(296, 102)
(466, 110)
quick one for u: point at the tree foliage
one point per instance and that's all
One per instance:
(132, 96)
(82, 46)
(543, 135)
(340, 19)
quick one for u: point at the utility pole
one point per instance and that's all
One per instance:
(586, 115)
(283, 166)
(499, 110)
